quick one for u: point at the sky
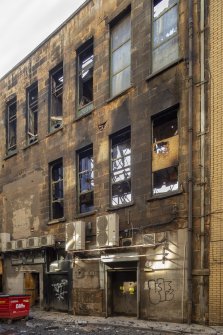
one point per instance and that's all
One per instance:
(26, 23)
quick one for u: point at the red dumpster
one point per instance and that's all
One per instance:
(14, 306)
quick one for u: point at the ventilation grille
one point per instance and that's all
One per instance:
(107, 230)
(149, 239)
(75, 235)
(127, 242)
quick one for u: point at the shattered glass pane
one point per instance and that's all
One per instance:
(162, 5)
(85, 64)
(165, 126)
(165, 180)
(11, 127)
(56, 111)
(121, 169)
(32, 114)
(86, 180)
(165, 27)
(57, 205)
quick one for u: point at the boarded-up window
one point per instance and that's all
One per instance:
(56, 97)
(86, 179)
(121, 189)
(165, 33)
(165, 152)
(120, 55)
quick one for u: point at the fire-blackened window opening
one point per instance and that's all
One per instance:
(85, 74)
(121, 190)
(86, 179)
(56, 98)
(165, 149)
(165, 33)
(121, 55)
(11, 125)
(56, 190)
(32, 113)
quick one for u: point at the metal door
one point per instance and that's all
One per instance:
(58, 291)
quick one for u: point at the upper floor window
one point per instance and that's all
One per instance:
(121, 190)
(32, 113)
(85, 77)
(11, 125)
(56, 190)
(86, 179)
(165, 33)
(165, 152)
(121, 55)
(56, 98)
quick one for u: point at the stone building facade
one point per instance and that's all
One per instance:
(101, 167)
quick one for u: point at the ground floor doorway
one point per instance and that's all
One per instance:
(122, 291)
(32, 287)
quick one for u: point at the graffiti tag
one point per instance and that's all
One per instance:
(160, 290)
(60, 289)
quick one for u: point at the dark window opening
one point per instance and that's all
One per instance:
(56, 190)
(121, 168)
(11, 126)
(165, 152)
(32, 114)
(85, 75)
(86, 180)
(56, 98)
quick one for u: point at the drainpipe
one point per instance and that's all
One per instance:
(190, 162)
(202, 157)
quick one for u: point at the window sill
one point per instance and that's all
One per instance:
(54, 131)
(10, 155)
(165, 68)
(83, 116)
(114, 208)
(82, 215)
(120, 94)
(31, 144)
(164, 195)
(51, 222)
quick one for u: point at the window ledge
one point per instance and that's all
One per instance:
(51, 222)
(164, 195)
(120, 94)
(82, 215)
(31, 144)
(114, 208)
(54, 131)
(83, 116)
(165, 68)
(10, 155)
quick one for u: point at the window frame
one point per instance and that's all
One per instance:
(173, 110)
(34, 137)
(86, 108)
(10, 150)
(118, 20)
(51, 183)
(84, 151)
(113, 137)
(166, 39)
(52, 91)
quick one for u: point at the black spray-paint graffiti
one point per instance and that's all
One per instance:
(160, 290)
(60, 289)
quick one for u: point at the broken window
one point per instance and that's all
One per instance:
(56, 97)
(120, 55)
(121, 168)
(85, 77)
(86, 179)
(11, 124)
(165, 32)
(56, 190)
(165, 152)
(32, 113)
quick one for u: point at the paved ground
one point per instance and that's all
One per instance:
(55, 323)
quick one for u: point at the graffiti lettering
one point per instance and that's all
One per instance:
(60, 289)
(160, 290)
